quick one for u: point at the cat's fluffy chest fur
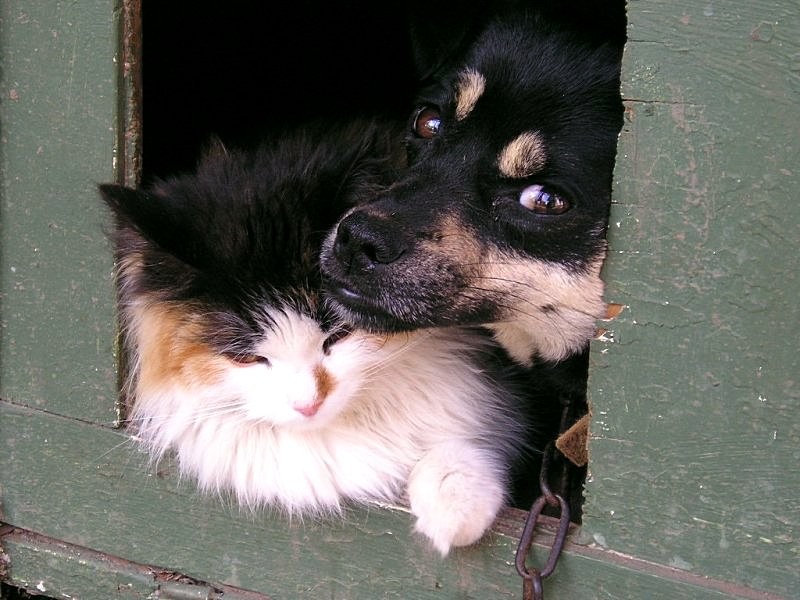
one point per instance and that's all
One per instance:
(238, 368)
(385, 403)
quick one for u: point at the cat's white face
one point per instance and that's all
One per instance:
(298, 375)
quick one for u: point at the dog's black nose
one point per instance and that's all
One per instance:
(364, 240)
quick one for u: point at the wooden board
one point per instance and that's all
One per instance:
(59, 136)
(696, 434)
(105, 515)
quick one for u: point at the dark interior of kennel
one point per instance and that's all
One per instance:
(249, 69)
(243, 69)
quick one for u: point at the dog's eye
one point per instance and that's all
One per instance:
(537, 199)
(246, 359)
(427, 122)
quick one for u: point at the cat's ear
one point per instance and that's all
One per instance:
(146, 236)
(145, 214)
(130, 207)
(116, 195)
(215, 148)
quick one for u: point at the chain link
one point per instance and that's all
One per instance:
(532, 577)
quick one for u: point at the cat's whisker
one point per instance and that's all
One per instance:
(409, 344)
(126, 442)
(197, 414)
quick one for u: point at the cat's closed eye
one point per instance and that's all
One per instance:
(246, 359)
(337, 334)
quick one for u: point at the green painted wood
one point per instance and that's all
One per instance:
(696, 432)
(59, 570)
(86, 485)
(58, 84)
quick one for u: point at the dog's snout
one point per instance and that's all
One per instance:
(363, 241)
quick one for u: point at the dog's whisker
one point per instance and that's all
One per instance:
(507, 293)
(536, 316)
(545, 294)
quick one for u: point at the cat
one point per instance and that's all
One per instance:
(239, 367)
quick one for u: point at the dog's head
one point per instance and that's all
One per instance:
(500, 217)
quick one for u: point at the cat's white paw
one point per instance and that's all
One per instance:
(455, 492)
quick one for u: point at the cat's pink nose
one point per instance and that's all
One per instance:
(325, 383)
(309, 410)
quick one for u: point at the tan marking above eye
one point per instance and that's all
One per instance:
(469, 89)
(523, 156)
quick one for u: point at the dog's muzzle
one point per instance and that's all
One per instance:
(383, 270)
(357, 257)
(365, 242)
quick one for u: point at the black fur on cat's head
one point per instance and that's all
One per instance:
(245, 227)
(248, 217)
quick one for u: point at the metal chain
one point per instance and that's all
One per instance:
(532, 577)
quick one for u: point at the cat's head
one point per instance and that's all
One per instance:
(217, 270)
(298, 373)
(283, 368)
(248, 221)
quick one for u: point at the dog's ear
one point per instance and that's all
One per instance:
(441, 30)
(597, 23)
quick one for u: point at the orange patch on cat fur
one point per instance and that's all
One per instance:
(169, 348)
(324, 380)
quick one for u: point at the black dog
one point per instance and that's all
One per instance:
(500, 217)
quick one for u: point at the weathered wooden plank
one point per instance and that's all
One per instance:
(86, 485)
(45, 566)
(59, 103)
(696, 401)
